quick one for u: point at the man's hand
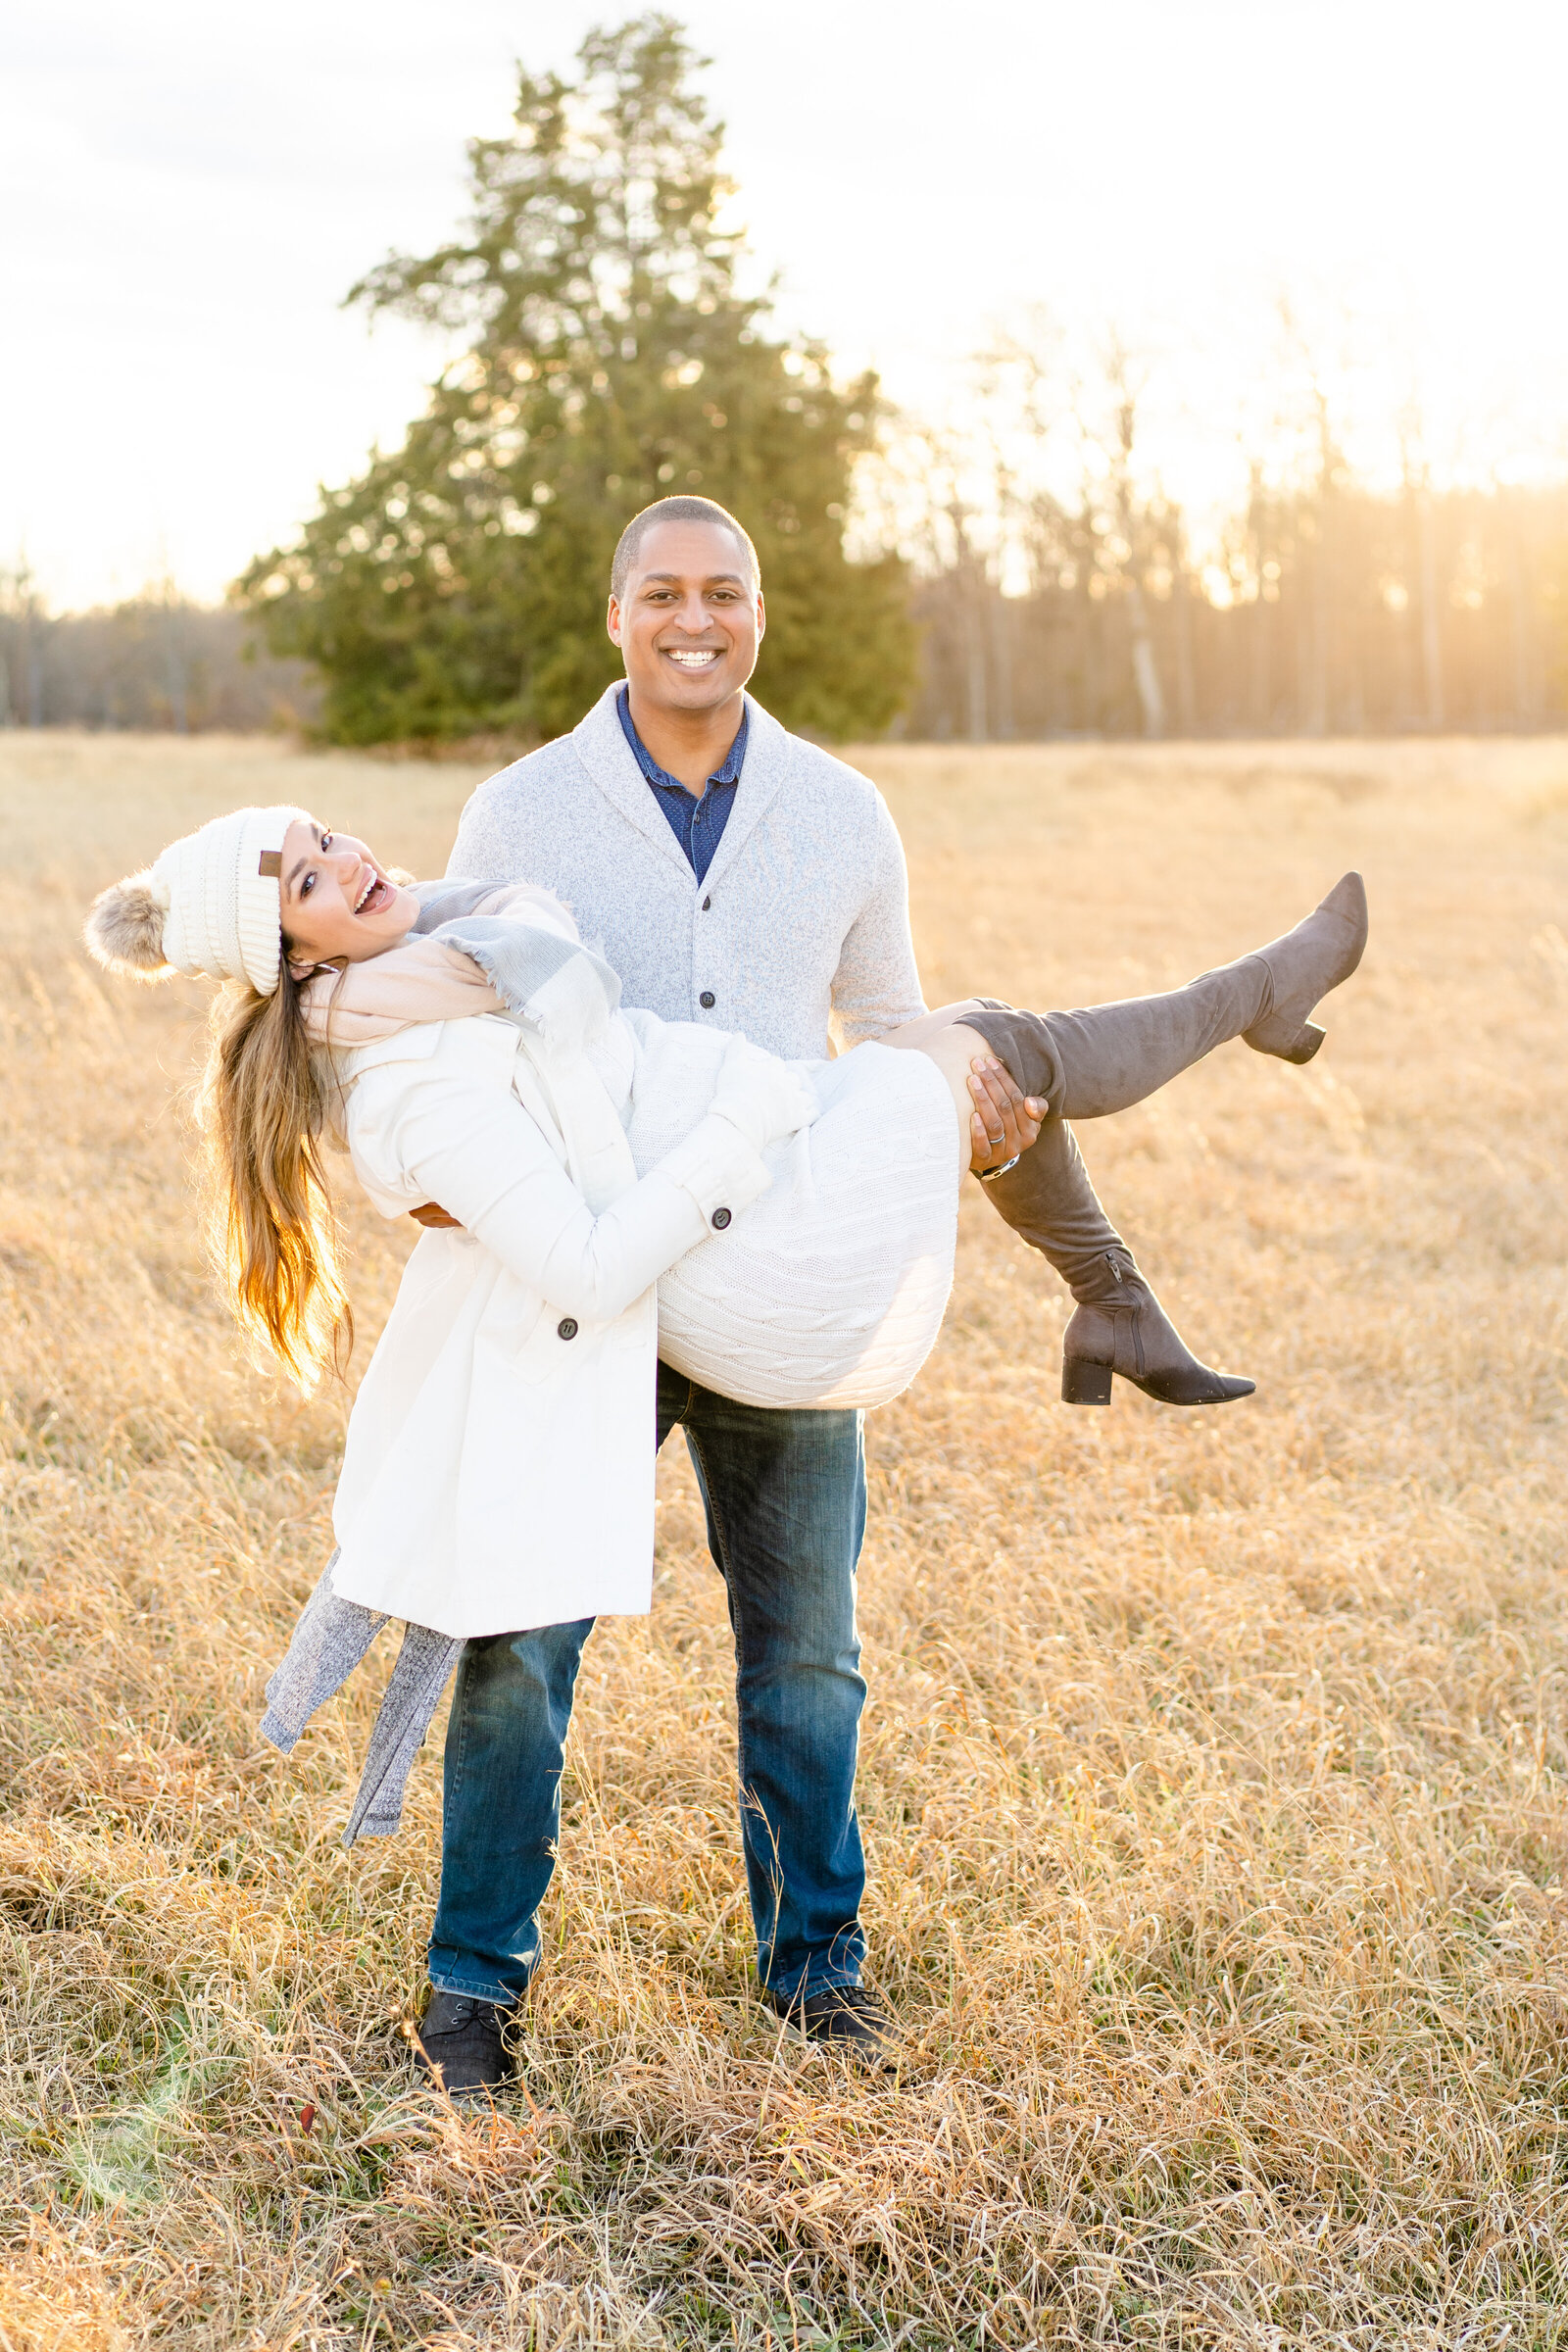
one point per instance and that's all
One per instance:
(1004, 1121)
(434, 1220)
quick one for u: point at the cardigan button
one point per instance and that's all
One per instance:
(720, 1219)
(566, 1328)
(708, 999)
(707, 902)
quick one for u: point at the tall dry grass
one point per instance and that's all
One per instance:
(1213, 1776)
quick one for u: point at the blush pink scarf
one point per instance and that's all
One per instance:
(420, 981)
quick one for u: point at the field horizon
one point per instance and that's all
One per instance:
(1214, 1773)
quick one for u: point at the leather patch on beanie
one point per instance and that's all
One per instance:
(271, 865)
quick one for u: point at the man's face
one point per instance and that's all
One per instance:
(691, 620)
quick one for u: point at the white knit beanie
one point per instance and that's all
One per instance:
(211, 904)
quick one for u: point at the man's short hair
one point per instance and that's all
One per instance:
(675, 510)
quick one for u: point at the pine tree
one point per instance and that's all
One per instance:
(460, 583)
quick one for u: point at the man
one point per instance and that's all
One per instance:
(730, 873)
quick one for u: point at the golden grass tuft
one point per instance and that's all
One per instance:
(1213, 1776)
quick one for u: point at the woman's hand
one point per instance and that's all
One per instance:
(761, 1097)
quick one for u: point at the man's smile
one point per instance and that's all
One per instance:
(696, 657)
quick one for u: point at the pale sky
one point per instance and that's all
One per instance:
(186, 192)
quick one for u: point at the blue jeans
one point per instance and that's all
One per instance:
(785, 1495)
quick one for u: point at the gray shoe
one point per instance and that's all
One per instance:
(461, 2045)
(1102, 1058)
(1120, 1328)
(1304, 966)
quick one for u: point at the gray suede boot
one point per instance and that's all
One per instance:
(1089, 1064)
(1120, 1327)
(1103, 1059)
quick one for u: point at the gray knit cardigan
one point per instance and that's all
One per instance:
(803, 912)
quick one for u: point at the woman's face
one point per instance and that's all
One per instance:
(339, 905)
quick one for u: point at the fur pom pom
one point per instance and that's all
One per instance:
(124, 929)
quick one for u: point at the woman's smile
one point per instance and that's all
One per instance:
(376, 896)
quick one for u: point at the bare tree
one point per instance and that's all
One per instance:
(1422, 544)
(944, 519)
(25, 625)
(1116, 445)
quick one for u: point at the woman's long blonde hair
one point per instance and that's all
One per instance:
(272, 1229)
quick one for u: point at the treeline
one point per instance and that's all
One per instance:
(153, 662)
(1382, 616)
(1328, 613)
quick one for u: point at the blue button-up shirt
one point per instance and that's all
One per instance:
(697, 824)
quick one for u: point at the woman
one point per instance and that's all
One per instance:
(476, 1055)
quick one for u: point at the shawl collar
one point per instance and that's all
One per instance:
(762, 775)
(608, 757)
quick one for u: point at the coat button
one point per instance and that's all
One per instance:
(720, 1218)
(566, 1328)
(708, 999)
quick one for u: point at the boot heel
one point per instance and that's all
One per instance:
(1082, 1382)
(1284, 1045)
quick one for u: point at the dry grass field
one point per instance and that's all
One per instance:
(1215, 1774)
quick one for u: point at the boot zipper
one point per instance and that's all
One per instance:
(1135, 1335)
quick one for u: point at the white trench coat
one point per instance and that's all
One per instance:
(499, 1472)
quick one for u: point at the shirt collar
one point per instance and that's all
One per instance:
(728, 772)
